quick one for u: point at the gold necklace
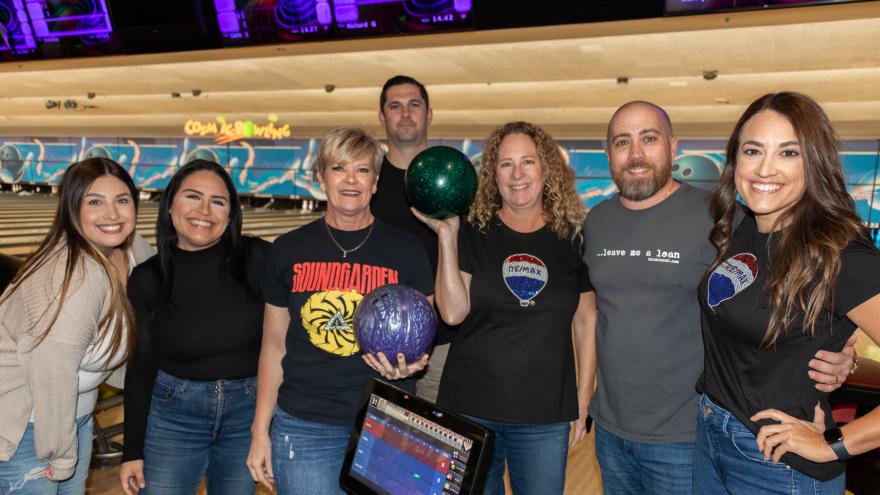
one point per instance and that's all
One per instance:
(346, 251)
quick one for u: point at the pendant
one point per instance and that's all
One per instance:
(344, 253)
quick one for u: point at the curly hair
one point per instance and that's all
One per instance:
(563, 209)
(806, 260)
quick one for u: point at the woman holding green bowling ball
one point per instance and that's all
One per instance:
(511, 275)
(312, 372)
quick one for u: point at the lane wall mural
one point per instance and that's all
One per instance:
(285, 168)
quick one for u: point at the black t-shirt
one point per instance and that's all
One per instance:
(390, 204)
(211, 329)
(745, 376)
(513, 357)
(324, 374)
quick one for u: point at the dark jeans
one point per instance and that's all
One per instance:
(638, 468)
(197, 429)
(535, 453)
(727, 460)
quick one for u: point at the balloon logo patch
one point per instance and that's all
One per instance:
(525, 276)
(732, 277)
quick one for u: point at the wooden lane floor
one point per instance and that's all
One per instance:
(581, 477)
(25, 221)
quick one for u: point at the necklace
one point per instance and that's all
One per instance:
(346, 251)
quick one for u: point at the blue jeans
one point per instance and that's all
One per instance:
(637, 468)
(23, 474)
(307, 456)
(727, 460)
(535, 453)
(195, 429)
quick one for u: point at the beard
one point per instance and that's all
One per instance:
(641, 188)
(408, 134)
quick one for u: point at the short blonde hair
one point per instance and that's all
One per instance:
(346, 144)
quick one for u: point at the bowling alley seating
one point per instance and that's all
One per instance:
(105, 450)
(860, 394)
(9, 266)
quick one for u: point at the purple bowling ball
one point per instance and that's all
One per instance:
(394, 319)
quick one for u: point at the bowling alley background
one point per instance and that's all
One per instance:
(286, 168)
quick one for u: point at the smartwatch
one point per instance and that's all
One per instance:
(834, 438)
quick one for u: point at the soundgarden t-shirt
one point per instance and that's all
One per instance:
(513, 358)
(324, 374)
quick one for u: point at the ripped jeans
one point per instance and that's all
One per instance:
(307, 456)
(24, 474)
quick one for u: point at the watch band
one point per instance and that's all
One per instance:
(840, 450)
(834, 439)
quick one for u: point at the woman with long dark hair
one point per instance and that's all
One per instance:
(65, 324)
(191, 388)
(796, 275)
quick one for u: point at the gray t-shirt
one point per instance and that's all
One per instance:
(645, 266)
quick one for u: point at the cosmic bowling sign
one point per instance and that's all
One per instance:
(525, 277)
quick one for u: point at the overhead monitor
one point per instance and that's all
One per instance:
(254, 22)
(705, 6)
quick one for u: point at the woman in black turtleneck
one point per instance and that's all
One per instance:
(190, 391)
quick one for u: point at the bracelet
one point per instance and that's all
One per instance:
(855, 366)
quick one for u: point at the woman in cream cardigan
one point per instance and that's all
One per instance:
(64, 326)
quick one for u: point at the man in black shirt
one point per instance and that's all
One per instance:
(405, 113)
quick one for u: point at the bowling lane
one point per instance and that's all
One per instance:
(25, 220)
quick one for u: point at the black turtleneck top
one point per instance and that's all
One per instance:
(210, 329)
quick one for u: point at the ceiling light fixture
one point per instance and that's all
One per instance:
(622, 81)
(70, 104)
(91, 95)
(50, 104)
(196, 92)
(175, 94)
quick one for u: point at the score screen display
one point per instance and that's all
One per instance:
(400, 452)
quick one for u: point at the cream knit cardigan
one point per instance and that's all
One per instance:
(42, 382)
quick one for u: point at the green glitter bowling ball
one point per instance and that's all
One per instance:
(441, 182)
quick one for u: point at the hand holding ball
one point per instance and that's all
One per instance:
(395, 319)
(441, 182)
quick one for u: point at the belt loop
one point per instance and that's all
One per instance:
(724, 424)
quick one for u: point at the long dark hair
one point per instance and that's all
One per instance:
(118, 323)
(805, 261)
(166, 234)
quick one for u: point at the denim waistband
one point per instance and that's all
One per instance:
(174, 382)
(725, 420)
